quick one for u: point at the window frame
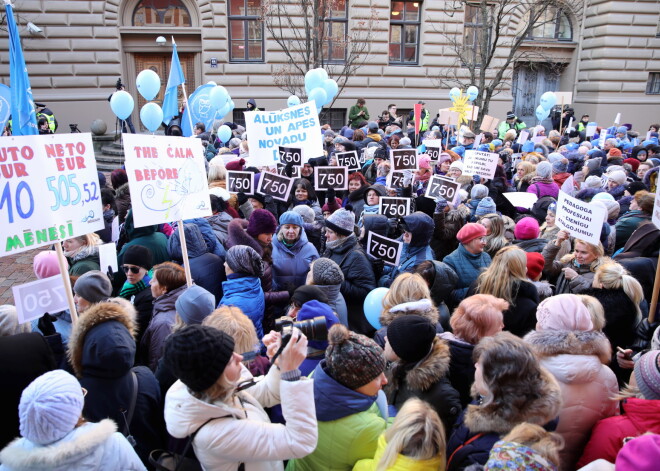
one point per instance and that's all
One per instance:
(161, 14)
(245, 19)
(653, 83)
(336, 117)
(561, 12)
(328, 39)
(475, 27)
(402, 23)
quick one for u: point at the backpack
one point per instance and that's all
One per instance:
(540, 208)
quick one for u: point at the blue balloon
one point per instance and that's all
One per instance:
(319, 96)
(222, 112)
(148, 84)
(224, 133)
(548, 100)
(331, 89)
(292, 101)
(218, 96)
(454, 93)
(472, 93)
(541, 113)
(373, 306)
(151, 116)
(231, 105)
(122, 104)
(314, 79)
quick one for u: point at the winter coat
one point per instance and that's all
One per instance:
(620, 316)
(467, 266)
(426, 380)
(520, 318)
(245, 292)
(243, 433)
(486, 424)
(143, 302)
(553, 268)
(617, 192)
(402, 463)
(348, 423)
(461, 367)
(85, 260)
(220, 225)
(160, 327)
(541, 189)
(336, 301)
(578, 361)
(444, 281)
(356, 200)
(358, 281)
(639, 416)
(92, 446)
(123, 202)
(291, 264)
(627, 224)
(531, 245)
(102, 352)
(447, 225)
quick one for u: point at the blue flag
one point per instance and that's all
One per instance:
(23, 116)
(176, 78)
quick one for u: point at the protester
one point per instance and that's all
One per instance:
(82, 253)
(326, 275)
(292, 253)
(93, 287)
(137, 265)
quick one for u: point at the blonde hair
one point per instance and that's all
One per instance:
(509, 224)
(508, 267)
(222, 390)
(416, 432)
(528, 166)
(496, 239)
(232, 321)
(613, 275)
(405, 288)
(547, 444)
(596, 311)
(595, 250)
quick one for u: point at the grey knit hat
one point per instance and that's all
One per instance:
(479, 191)
(342, 222)
(544, 170)
(326, 272)
(94, 286)
(485, 206)
(305, 212)
(244, 259)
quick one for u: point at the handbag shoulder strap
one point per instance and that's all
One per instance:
(131, 408)
(477, 436)
(191, 437)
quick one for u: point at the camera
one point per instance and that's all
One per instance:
(314, 329)
(119, 85)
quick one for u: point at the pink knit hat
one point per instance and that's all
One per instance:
(424, 162)
(563, 312)
(527, 228)
(640, 454)
(45, 264)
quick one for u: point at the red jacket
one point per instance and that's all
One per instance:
(639, 416)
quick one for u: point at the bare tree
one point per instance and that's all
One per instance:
(493, 41)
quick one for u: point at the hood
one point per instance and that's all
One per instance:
(194, 241)
(133, 232)
(425, 373)
(85, 354)
(167, 302)
(431, 314)
(334, 400)
(85, 252)
(421, 226)
(237, 235)
(302, 240)
(531, 245)
(376, 223)
(643, 413)
(564, 342)
(544, 288)
(252, 102)
(380, 189)
(444, 281)
(358, 194)
(331, 291)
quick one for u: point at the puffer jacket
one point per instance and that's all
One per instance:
(291, 264)
(336, 301)
(461, 366)
(553, 268)
(402, 463)
(220, 225)
(467, 267)
(245, 293)
(578, 360)
(242, 432)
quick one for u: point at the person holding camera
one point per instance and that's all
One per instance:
(511, 122)
(358, 113)
(128, 121)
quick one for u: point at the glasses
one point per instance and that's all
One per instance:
(84, 391)
(132, 269)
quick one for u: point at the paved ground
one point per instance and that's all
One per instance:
(16, 270)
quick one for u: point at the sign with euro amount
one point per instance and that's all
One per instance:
(49, 190)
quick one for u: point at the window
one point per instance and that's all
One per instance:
(334, 21)
(653, 85)
(473, 39)
(161, 12)
(335, 117)
(238, 117)
(404, 32)
(553, 24)
(246, 31)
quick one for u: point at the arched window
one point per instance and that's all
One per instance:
(554, 23)
(161, 13)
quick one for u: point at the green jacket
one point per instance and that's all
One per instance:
(80, 265)
(504, 127)
(354, 119)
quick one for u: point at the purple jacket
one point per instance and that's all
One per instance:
(541, 189)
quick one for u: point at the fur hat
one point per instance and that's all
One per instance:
(244, 259)
(261, 221)
(563, 312)
(485, 206)
(403, 329)
(647, 374)
(194, 305)
(342, 222)
(138, 255)
(93, 286)
(469, 232)
(45, 264)
(326, 272)
(527, 228)
(535, 263)
(352, 359)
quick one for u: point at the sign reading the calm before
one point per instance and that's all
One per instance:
(480, 163)
(442, 187)
(581, 220)
(291, 155)
(36, 298)
(388, 250)
(240, 182)
(394, 207)
(331, 177)
(404, 159)
(277, 186)
(348, 159)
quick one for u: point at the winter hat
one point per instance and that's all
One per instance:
(236, 165)
(510, 115)
(9, 322)
(516, 457)
(527, 147)
(485, 206)
(479, 191)
(619, 176)
(444, 157)
(634, 163)
(469, 232)
(602, 196)
(261, 221)
(45, 264)
(411, 337)
(373, 127)
(325, 208)
(306, 293)
(405, 141)
(93, 286)
(593, 181)
(527, 228)
(554, 157)
(138, 255)
(224, 194)
(535, 263)
(306, 213)
(342, 222)
(622, 129)
(497, 142)
(460, 150)
(194, 304)
(640, 454)
(647, 374)
(634, 187)
(244, 259)
(352, 359)
(198, 355)
(614, 153)
(613, 208)
(291, 217)
(544, 169)
(456, 164)
(424, 162)
(326, 272)
(560, 166)
(312, 309)
(50, 407)
(563, 312)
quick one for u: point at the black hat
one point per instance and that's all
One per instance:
(411, 337)
(138, 255)
(306, 293)
(634, 187)
(198, 355)
(510, 115)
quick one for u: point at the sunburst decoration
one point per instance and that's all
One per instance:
(460, 106)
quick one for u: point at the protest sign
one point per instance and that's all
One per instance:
(388, 250)
(295, 126)
(477, 140)
(580, 219)
(394, 207)
(617, 120)
(539, 139)
(36, 298)
(49, 190)
(240, 182)
(444, 187)
(601, 139)
(348, 159)
(433, 153)
(568, 186)
(394, 179)
(489, 124)
(331, 177)
(564, 98)
(521, 199)
(277, 186)
(199, 110)
(363, 156)
(480, 163)
(166, 178)
(108, 257)
(591, 130)
(448, 117)
(291, 155)
(524, 135)
(295, 171)
(656, 210)
(515, 160)
(403, 159)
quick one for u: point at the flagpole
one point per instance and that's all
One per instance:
(185, 96)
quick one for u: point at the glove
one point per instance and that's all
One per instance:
(46, 326)
(440, 204)
(407, 177)
(288, 169)
(330, 196)
(111, 274)
(242, 198)
(378, 265)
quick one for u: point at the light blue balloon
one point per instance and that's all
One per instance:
(218, 96)
(548, 100)
(454, 93)
(319, 96)
(472, 93)
(292, 101)
(541, 113)
(148, 84)
(211, 82)
(331, 89)
(224, 133)
(151, 116)
(222, 112)
(122, 104)
(322, 73)
(231, 105)
(373, 306)
(314, 79)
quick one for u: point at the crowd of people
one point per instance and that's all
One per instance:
(502, 342)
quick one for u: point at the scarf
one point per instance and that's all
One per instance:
(333, 244)
(538, 179)
(129, 290)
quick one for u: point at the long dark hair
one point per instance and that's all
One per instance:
(307, 185)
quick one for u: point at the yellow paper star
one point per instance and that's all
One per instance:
(461, 107)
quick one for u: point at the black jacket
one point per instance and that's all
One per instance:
(461, 369)
(531, 245)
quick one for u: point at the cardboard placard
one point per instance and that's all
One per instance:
(448, 117)
(384, 248)
(521, 199)
(480, 163)
(433, 153)
(394, 207)
(331, 177)
(290, 155)
(36, 298)
(403, 159)
(565, 98)
(240, 182)
(277, 186)
(489, 124)
(348, 159)
(394, 179)
(524, 135)
(591, 130)
(568, 186)
(580, 219)
(444, 187)
(108, 257)
(295, 171)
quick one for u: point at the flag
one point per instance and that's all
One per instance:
(176, 78)
(23, 115)
(418, 117)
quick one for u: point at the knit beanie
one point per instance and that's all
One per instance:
(291, 217)
(342, 222)
(554, 157)
(198, 355)
(634, 187)
(593, 181)
(614, 153)
(485, 206)
(194, 305)
(602, 196)
(469, 232)
(326, 272)
(457, 164)
(244, 259)
(527, 228)
(647, 374)
(619, 176)
(306, 213)
(312, 309)
(325, 208)
(613, 208)
(639, 454)
(50, 407)
(352, 359)
(479, 191)
(261, 221)
(236, 165)
(527, 147)
(535, 263)
(634, 163)
(45, 264)
(138, 255)
(544, 169)
(93, 286)
(560, 166)
(563, 312)
(424, 162)
(9, 322)
(411, 337)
